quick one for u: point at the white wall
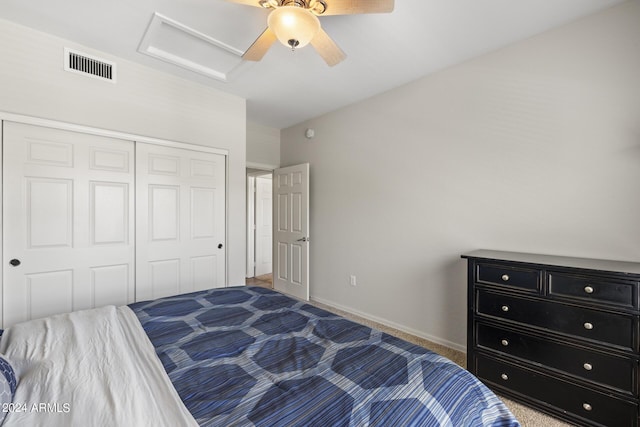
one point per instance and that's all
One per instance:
(263, 146)
(533, 148)
(142, 102)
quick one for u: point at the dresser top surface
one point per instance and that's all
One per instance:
(559, 261)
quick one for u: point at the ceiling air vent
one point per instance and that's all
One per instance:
(81, 63)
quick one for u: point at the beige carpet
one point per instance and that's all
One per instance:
(528, 417)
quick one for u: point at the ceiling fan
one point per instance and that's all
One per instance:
(295, 24)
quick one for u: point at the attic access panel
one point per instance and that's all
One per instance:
(178, 44)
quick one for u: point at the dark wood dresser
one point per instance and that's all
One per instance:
(558, 334)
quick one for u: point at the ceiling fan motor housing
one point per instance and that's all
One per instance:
(299, 3)
(318, 7)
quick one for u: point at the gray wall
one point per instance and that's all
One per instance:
(142, 102)
(263, 146)
(532, 148)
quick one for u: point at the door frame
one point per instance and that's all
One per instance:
(257, 169)
(55, 124)
(263, 183)
(251, 220)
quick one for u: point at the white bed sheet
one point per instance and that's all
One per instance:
(89, 368)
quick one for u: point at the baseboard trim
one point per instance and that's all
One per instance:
(391, 324)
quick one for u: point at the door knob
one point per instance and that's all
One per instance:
(15, 262)
(220, 246)
(304, 239)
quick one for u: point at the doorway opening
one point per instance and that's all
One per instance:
(259, 228)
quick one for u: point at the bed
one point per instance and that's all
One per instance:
(243, 356)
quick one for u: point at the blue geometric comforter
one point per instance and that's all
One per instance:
(251, 356)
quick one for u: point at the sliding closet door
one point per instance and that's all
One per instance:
(68, 222)
(180, 221)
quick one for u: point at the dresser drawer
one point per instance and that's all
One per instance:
(593, 289)
(616, 329)
(597, 408)
(613, 371)
(504, 275)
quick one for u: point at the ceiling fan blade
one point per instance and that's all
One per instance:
(255, 3)
(327, 48)
(351, 7)
(259, 47)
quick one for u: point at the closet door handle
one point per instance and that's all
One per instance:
(219, 245)
(15, 262)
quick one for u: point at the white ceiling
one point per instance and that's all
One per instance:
(383, 50)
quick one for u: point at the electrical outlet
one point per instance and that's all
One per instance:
(352, 280)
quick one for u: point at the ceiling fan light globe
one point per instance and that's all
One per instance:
(293, 23)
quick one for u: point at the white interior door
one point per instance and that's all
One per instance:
(264, 225)
(291, 230)
(68, 222)
(180, 221)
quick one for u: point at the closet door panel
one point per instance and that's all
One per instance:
(67, 219)
(180, 221)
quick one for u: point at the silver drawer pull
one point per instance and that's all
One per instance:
(504, 342)
(588, 289)
(587, 366)
(504, 377)
(505, 277)
(587, 407)
(505, 308)
(588, 326)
